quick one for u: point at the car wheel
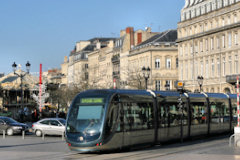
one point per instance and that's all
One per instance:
(38, 133)
(9, 131)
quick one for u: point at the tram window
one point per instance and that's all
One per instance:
(219, 112)
(112, 117)
(138, 116)
(170, 115)
(198, 113)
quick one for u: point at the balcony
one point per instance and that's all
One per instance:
(116, 59)
(232, 79)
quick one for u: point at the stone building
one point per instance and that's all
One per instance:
(160, 54)
(208, 44)
(77, 70)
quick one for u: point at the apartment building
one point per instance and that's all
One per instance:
(208, 44)
(160, 54)
(77, 72)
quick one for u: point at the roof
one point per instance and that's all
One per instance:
(163, 37)
(190, 3)
(9, 79)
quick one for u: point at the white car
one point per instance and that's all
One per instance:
(49, 126)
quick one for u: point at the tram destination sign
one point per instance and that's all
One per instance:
(92, 100)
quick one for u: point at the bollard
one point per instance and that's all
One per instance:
(23, 134)
(43, 136)
(237, 136)
(4, 134)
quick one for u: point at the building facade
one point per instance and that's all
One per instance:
(160, 54)
(208, 44)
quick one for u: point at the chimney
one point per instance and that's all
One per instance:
(98, 45)
(130, 31)
(65, 59)
(139, 38)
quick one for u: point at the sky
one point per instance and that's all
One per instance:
(44, 31)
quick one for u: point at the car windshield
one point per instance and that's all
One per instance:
(9, 120)
(85, 119)
(63, 121)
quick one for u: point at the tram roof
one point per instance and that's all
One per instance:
(196, 95)
(232, 96)
(120, 91)
(217, 95)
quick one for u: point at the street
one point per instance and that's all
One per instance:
(53, 148)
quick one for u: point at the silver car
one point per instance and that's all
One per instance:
(49, 126)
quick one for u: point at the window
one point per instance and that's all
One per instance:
(168, 63)
(176, 62)
(230, 64)
(211, 44)
(236, 38)
(206, 44)
(229, 19)
(158, 85)
(223, 41)
(201, 46)
(46, 122)
(213, 69)
(138, 116)
(236, 64)
(235, 18)
(170, 115)
(224, 66)
(198, 113)
(218, 43)
(201, 69)
(207, 70)
(229, 39)
(54, 123)
(168, 84)
(86, 66)
(192, 71)
(157, 63)
(218, 67)
(223, 22)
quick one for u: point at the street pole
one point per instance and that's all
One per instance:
(146, 79)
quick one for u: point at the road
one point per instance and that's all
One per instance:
(54, 148)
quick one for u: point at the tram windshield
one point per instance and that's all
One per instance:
(86, 116)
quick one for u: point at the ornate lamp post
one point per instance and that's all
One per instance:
(146, 74)
(21, 75)
(200, 82)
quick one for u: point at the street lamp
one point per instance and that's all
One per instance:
(200, 82)
(21, 75)
(146, 74)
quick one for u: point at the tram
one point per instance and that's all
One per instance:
(101, 120)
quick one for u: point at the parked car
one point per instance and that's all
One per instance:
(49, 126)
(11, 126)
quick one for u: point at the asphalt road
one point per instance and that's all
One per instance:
(54, 148)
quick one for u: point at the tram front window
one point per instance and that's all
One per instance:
(85, 119)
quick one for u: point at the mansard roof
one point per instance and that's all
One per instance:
(163, 37)
(190, 3)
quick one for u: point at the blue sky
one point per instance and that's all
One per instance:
(44, 31)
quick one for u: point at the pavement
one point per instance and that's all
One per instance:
(54, 148)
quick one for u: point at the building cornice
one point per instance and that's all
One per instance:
(210, 32)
